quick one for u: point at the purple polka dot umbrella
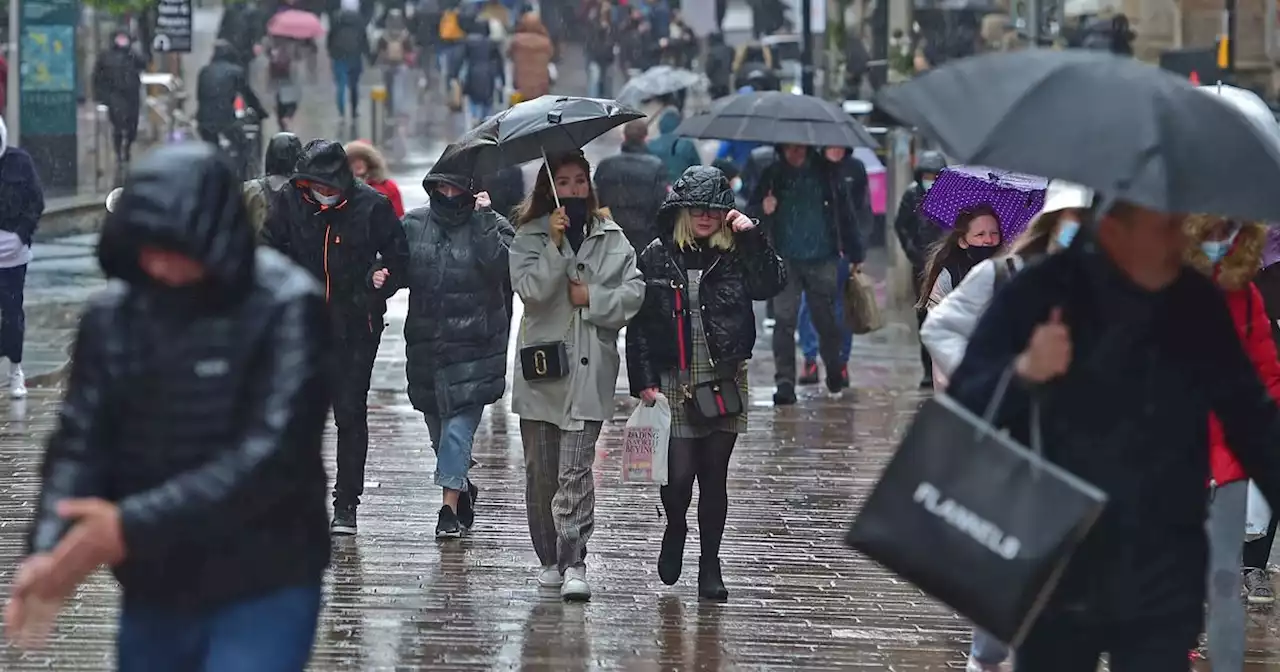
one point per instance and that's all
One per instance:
(1015, 197)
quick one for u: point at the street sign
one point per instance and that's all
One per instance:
(173, 27)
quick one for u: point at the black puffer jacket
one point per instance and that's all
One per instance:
(456, 332)
(916, 233)
(632, 185)
(340, 245)
(482, 58)
(750, 272)
(217, 86)
(199, 411)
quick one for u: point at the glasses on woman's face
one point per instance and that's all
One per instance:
(704, 213)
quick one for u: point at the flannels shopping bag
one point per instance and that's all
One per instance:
(644, 443)
(974, 519)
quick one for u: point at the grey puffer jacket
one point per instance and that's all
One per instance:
(456, 331)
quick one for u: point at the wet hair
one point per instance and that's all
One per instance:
(540, 202)
(948, 245)
(1034, 242)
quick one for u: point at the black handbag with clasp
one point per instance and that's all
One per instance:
(714, 400)
(544, 361)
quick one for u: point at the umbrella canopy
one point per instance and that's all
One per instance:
(1249, 104)
(659, 80)
(547, 125)
(777, 118)
(1124, 128)
(1015, 198)
(295, 24)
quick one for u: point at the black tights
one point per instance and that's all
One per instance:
(707, 459)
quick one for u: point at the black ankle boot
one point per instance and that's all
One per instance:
(710, 583)
(671, 557)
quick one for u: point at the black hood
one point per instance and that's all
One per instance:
(930, 161)
(698, 187)
(282, 154)
(223, 51)
(185, 198)
(325, 161)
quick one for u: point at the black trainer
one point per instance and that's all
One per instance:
(785, 395)
(447, 526)
(467, 505)
(344, 520)
(809, 372)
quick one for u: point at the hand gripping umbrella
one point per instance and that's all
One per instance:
(1126, 129)
(777, 118)
(531, 130)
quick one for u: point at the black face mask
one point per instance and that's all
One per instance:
(452, 209)
(576, 209)
(980, 254)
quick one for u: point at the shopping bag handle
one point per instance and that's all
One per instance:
(988, 418)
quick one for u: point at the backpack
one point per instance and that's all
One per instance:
(257, 203)
(451, 27)
(280, 64)
(1004, 273)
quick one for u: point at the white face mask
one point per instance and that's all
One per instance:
(325, 200)
(926, 183)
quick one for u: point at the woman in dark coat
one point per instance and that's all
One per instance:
(117, 83)
(696, 326)
(482, 60)
(456, 331)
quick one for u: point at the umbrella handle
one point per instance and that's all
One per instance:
(551, 179)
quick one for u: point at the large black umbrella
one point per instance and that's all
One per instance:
(1126, 129)
(547, 125)
(778, 118)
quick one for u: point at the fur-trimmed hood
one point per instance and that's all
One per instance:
(359, 149)
(1243, 260)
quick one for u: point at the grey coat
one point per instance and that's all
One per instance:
(457, 329)
(540, 275)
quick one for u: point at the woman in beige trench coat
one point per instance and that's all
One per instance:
(576, 274)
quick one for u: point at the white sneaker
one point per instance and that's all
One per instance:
(550, 577)
(17, 383)
(575, 588)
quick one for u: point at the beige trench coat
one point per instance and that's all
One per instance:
(540, 275)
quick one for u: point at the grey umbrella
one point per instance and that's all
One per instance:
(659, 80)
(778, 118)
(1126, 129)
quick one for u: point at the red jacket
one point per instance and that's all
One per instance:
(1254, 327)
(389, 189)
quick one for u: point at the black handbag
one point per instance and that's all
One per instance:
(974, 519)
(544, 361)
(713, 400)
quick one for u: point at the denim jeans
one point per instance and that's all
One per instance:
(451, 439)
(809, 336)
(598, 80)
(346, 79)
(13, 320)
(479, 110)
(986, 649)
(269, 633)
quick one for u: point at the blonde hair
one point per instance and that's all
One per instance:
(1035, 241)
(685, 238)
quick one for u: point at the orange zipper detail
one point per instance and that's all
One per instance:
(326, 263)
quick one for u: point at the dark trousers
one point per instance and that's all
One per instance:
(13, 319)
(1258, 551)
(818, 281)
(351, 367)
(925, 360)
(1058, 644)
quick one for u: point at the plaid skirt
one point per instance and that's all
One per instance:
(683, 424)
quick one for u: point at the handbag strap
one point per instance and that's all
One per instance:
(989, 416)
(524, 317)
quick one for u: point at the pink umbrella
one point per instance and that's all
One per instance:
(295, 24)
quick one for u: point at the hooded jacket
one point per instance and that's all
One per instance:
(456, 331)
(530, 51)
(21, 196)
(340, 244)
(1234, 275)
(917, 234)
(844, 193)
(659, 335)
(633, 184)
(482, 57)
(677, 153)
(281, 157)
(199, 411)
(117, 82)
(217, 86)
(376, 176)
(348, 40)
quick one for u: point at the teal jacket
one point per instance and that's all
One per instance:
(677, 153)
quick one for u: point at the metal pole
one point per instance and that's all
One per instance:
(1033, 23)
(1229, 32)
(806, 47)
(12, 116)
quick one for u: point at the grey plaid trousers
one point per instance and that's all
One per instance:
(559, 490)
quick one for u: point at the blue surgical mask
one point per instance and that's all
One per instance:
(1067, 230)
(1217, 250)
(736, 183)
(926, 184)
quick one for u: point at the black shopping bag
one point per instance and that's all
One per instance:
(974, 519)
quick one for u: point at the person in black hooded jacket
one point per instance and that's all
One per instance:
(188, 449)
(456, 331)
(281, 157)
(346, 234)
(697, 327)
(485, 71)
(917, 234)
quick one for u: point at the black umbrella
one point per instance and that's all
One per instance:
(777, 118)
(531, 130)
(1128, 130)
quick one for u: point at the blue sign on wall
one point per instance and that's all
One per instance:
(47, 88)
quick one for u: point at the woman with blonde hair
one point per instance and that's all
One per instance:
(696, 330)
(575, 272)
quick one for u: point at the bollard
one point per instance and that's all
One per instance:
(378, 114)
(898, 166)
(100, 124)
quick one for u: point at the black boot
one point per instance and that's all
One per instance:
(710, 583)
(671, 557)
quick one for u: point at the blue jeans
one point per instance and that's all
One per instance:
(346, 79)
(271, 633)
(13, 320)
(451, 438)
(987, 649)
(809, 335)
(479, 109)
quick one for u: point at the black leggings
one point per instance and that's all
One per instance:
(707, 459)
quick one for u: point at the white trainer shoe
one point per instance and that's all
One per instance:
(550, 577)
(17, 382)
(575, 588)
